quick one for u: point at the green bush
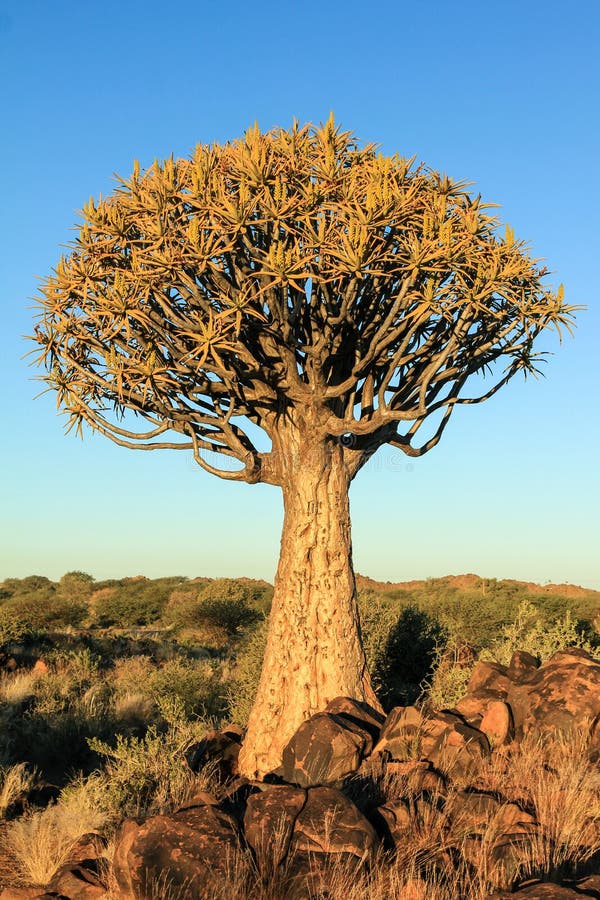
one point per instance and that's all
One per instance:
(148, 775)
(221, 609)
(246, 673)
(14, 626)
(408, 657)
(530, 632)
(133, 601)
(63, 708)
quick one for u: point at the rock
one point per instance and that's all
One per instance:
(546, 891)
(269, 823)
(184, 851)
(492, 833)
(522, 664)
(443, 738)
(358, 712)
(489, 676)
(489, 682)
(330, 823)
(497, 723)
(16, 893)
(594, 745)
(325, 749)
(78, 883)
(394, 821)
(329, 831)
(418, 774)
(235, 798)
(220, 748)
(559, 695)
(40, 668)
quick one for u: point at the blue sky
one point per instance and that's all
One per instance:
(504, 95)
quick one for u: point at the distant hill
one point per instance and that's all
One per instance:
(474, 584)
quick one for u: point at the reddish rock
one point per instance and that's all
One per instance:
(219, 747)
(418, 774)
(443, 738)
(329, 832)
(492, 834)
(359, 712)
(547, 891)
(40, 667)
(489, 676)
(395, 821)
(594, 745)
(559, 695)
(188, 848)
(522, 665)
(236, 795)
(330, 823)
(78, 883)
(16, 893)
(325, 749)
(269, 823)
(401, 734)
(497, 723)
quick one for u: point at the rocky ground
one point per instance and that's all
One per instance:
(470, 795)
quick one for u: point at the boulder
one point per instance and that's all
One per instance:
(330, 823)
(329, 831)
(489, 682)
(544, 890)
(497, 723)
(359, 712)
(492, 834)
(18, 893)
(269, 823)
(419, 776)
(522, 665)
(79, 882)
(398, 820)
(325, 749)
(186, 851)
(220, 748)
(561, 694)
(443, 738)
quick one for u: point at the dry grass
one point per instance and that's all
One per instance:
(42, 841)
(18, 686)
(15, 782)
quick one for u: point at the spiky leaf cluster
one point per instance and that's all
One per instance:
(285, 271)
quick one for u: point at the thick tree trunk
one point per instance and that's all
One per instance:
(314, 650)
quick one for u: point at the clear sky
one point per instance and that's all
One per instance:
(505, 95)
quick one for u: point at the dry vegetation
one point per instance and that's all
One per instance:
(134, 671)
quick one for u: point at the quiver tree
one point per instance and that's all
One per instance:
(334, 297)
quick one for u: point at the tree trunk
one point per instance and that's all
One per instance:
(314, 650)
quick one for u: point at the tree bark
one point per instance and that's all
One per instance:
(314, 649)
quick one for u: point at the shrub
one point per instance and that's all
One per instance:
(24, 614)
(15, 783)
(76, 585)
(195, 684)
(134, 602)
(451, 670)
(407, 657)
(65, 706)
(246, 673)
(149, 775)
(530, 632)
(221, 609)
(41, 841)
(14, 625)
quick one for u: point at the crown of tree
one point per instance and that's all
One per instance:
(287, 268)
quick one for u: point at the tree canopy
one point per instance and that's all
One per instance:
(286, 269)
